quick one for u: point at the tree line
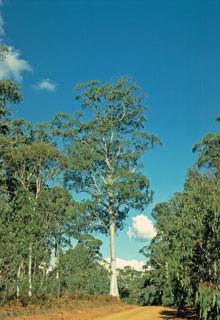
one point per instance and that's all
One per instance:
(97, 152)
(184, 255)
(183, 261)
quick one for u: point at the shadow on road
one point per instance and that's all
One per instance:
(186, 314)
(168, 314)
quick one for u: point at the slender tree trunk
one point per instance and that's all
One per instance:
(113, 277)
(215, 272)
(5, 292)
(46, 278)
(167, 273)
(18, 278)
(58, 282)
(57, 262)
(34, 268)
(58, 288)
(29, 271)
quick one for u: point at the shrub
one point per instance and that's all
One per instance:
(208, 300)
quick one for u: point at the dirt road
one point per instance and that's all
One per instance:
(126, 312)
(142, 313)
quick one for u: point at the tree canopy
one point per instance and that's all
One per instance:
(184, 254)
(46, 231)
(104, 154)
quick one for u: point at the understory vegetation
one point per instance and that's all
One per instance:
(47, 236)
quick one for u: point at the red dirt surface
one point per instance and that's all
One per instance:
(84, 308)
(104, 313)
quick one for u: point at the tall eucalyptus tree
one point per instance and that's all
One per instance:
(105, 148)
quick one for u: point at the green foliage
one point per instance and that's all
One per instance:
(35, 218)
(104, 152)
(100, 152)
(194, 236)
(157, 254)
(185, 251)
(80, 269)
(3, 52)
(140, 287)
(167, 291)
(208, 300)
(9, 93)
(131, 285)
(209, 150)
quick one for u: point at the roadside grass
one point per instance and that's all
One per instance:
(47, 303)
(44, 305)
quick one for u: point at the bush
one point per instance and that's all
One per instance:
(208, 300)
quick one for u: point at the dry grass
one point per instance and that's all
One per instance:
(83, 307)
(47, 304)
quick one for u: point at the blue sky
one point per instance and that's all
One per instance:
(171, 48)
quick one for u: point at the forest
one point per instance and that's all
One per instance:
(97, 153)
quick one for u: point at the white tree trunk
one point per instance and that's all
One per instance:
(29, 271)
(18, 282)
(18, 278)
(57, 262)
(113, 276)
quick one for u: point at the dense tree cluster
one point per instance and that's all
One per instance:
(104, 156)
(97, 154)
(44, 166)
(37, 216)
(184, 255)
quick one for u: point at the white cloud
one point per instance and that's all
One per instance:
(13, 66)
(121, 263)
(142, 228)
(47, 85)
